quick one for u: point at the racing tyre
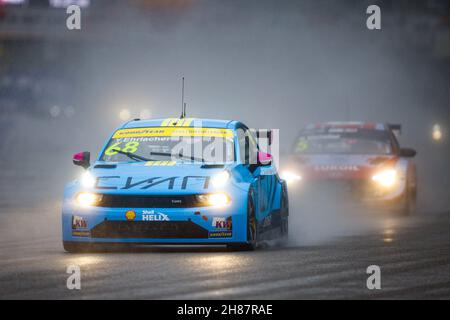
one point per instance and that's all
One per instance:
(284, 215)
(410, 202)
(252, 229)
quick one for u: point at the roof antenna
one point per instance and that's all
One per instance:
(183, 104)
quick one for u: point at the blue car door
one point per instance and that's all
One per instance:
(264, 180)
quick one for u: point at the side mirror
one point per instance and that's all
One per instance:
(82, 159)
(407, 153)
(264, 159)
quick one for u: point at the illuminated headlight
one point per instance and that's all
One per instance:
(215, 199)
(437, 132)
(220, 179)
(87, 180)
(88, 199)
(290, 177)
(386, 178)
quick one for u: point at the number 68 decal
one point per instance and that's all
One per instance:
(130, 147)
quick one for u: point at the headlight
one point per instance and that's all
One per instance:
(87, 180)
(214, 199)
(88, 199)
(386, 178)
(290, 177)
(220, 179)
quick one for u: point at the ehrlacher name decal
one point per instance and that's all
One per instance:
(151, 182)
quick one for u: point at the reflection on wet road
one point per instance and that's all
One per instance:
(413, 254)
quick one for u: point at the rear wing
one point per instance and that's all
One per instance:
(396, 128)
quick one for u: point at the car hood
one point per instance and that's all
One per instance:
(154, 177)
(342, 166)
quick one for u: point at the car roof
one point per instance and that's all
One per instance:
(348, 125)
(184, 122)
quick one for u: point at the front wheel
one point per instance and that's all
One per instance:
(284, 214)
(410, 203)
(252, 229)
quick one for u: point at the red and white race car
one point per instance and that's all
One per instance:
(362, 162)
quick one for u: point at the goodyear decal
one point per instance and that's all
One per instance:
(85, 234)
(172, 131)
(160, 163)
(220, 234)
(176, 122)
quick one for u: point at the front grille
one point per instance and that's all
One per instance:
(149, 230)
(146, 201)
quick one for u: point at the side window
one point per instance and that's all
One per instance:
(253, 145)
(394, 143)
(242, 144)
(248, 148)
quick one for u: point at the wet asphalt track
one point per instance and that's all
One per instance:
(413, 253)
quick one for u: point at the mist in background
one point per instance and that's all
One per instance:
(270, 64)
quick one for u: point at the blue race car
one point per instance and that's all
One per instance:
(176, 181)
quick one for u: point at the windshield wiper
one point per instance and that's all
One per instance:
(180, 156)
(132, 156)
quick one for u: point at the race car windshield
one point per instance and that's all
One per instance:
(208, 145)
(350, 142)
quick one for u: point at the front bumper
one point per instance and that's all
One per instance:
(354, 193)
(205, 225)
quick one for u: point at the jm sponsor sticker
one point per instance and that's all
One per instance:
(222, 223)
(78, 223)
